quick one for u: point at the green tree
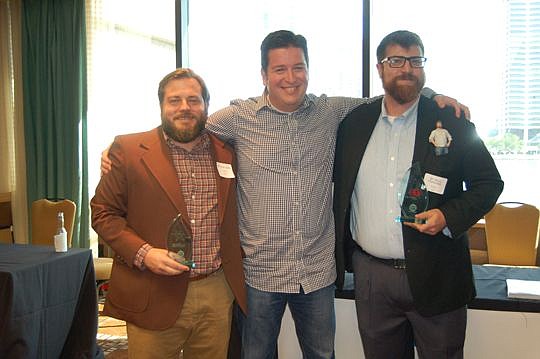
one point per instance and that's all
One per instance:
(508, 143)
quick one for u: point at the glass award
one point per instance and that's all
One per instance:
(412, 195)
(179, 242)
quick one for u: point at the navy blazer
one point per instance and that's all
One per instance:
(438, 267)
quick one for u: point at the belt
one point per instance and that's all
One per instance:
(204, 276)
(392, 262)
(199, 277)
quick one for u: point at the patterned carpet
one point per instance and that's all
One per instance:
(113, 346)
(112, 337)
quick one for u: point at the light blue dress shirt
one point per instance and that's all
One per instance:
(374, 203)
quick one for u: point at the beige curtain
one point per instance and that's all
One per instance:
(12, 155)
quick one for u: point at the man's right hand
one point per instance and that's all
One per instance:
(106, 164)
(158, 261)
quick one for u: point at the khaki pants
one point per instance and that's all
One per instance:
(202, 330)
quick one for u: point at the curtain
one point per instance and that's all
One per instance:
(54, 79)
(12, 156)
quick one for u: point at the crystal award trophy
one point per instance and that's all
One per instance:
(179, 242)
(412, 195)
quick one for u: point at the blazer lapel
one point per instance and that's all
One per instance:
(224, 155)
(358, 135)
(425, 123)
(158, 161)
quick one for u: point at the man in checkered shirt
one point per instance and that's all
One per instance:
(284, 141)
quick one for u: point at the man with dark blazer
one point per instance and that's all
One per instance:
(176, 168)
(412, 279)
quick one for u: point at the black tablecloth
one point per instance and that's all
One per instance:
(491, 288)
(48, 303)
(491, 292)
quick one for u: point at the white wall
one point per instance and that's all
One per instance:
(490, 334)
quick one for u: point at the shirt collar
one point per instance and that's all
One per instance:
(264, 101)
(411, 112)
(203, 145)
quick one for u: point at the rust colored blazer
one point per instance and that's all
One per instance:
(135, 203)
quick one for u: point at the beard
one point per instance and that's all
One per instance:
(187, 134)
(404, 93)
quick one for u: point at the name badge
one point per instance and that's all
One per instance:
(225, 170)
(434, 183)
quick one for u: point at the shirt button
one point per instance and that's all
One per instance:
(192, 221)
(391, 184)
(193, 197)
(392, 158)
(193, 175)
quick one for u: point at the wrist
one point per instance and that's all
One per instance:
(141, 255)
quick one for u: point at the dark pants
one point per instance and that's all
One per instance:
(389, 325)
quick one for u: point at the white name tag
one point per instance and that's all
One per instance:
(225, 170)
(434, 183)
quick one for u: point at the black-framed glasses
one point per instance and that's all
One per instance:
(399, 61)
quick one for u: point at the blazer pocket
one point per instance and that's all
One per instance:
(129, 288)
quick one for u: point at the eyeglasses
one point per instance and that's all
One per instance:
(399, 61)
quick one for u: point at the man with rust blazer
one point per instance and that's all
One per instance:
(177, 168)
(412, 280)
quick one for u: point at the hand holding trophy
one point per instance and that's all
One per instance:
(412, 195)
(179, 242)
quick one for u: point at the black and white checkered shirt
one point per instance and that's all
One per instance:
(285, 188)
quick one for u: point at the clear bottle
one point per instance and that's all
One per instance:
(60, 238)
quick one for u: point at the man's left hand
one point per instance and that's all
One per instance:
(435, 222)
(444, 101)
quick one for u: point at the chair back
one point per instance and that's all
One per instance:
(512, 234)
(6, 218)
(44, 220)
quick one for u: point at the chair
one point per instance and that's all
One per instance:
(477, 243)
(44, 220)
(44, 224)
(512, 234)
(6, 218)
(103, 267)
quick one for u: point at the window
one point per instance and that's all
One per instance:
(500, 93)
(130, 47)
(492, 68)
(224, 46)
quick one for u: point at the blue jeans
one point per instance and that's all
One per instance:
(441, 151)
(313, 316)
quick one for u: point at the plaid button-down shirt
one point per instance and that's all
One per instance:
(197, 181)
(285, 165)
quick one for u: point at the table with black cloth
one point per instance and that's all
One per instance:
(490, 282)
(48, 303)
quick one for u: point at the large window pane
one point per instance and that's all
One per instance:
(492, 67)
(131, 46)
(223, 44)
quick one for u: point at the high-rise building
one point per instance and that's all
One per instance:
(522, 78)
